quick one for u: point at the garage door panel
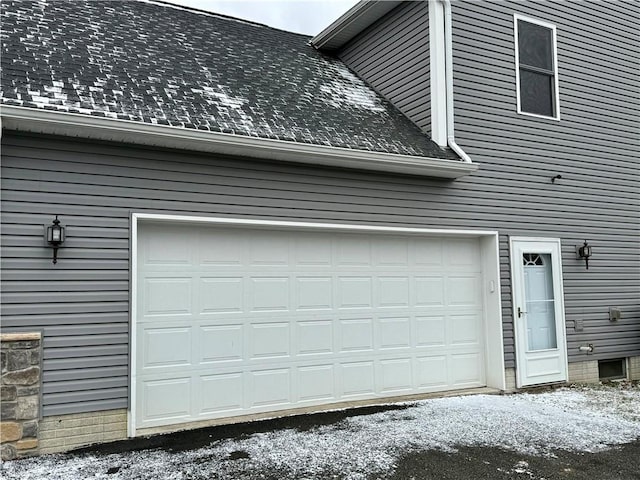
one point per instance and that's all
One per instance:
(255, 320)
(270, 387)
(353, 251)
(314, 337)
(269, 249)
(311, 251)
(357, 379)
(221, 343)
(393, 291)
(431, 371)
(354, 292)
(168, 296)
(314, 293)
(269, 294)
(394, 333)
(269, 340)
(463, 253)
(166, 346)
(221, 294)
(428, 252)
(222, 393)
(162, 247)
(464, 329)
(430, 331)
(466, 369)
(429, 291)
(167, 399)
(463, 290)
(392, 252)
(395, 376)
(316, 382)
(356, 334)
(224, 249)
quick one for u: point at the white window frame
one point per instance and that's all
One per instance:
(556, 94)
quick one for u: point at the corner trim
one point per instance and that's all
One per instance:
(101, 128)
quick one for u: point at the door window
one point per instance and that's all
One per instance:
(539, 301)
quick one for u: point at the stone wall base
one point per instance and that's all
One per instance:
(61, 433)
(21, 355)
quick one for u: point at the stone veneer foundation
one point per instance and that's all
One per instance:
(20, 394)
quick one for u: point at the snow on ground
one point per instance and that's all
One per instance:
(578, 419)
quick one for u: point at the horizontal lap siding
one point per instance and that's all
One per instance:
(82, 304)
(393, 57)
(595, 147)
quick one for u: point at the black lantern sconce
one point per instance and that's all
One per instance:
(584, 252)
(55, 237)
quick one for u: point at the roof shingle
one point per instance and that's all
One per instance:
(151, 62)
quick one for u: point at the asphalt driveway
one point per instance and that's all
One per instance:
(569, 433)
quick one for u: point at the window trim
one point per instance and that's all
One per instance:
(556, 89)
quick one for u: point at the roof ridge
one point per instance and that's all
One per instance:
(199, 11)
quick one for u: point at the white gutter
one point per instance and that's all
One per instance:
(109, 129)
(451, 141)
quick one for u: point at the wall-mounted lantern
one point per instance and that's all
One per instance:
(584, 252)
(55, 237)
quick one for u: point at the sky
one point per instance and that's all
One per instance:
(309, 17)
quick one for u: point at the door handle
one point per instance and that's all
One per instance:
(520, 312)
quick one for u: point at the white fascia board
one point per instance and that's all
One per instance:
(108, 129)
(352, 22)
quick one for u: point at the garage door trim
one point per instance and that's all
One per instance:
(492, 321)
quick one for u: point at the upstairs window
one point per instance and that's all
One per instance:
(536, 68)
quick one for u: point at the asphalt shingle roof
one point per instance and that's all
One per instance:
(156, 63)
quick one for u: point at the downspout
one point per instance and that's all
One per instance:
(448, 62)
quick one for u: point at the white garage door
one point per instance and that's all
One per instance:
(235, 320)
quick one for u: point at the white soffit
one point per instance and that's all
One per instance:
(351, 23)
(107, 129)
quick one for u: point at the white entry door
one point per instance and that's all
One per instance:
(235, 321)
(538, 311)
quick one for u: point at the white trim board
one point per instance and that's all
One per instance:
(489, 241)
(109, 129)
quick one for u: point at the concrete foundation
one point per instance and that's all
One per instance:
(61, 433)
(584, 372)
(633, 368)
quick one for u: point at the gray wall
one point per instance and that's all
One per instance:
(82, 303)
(595, 147)
(393, 57)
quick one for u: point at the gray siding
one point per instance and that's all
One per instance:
(393, 57)
(82, 304)
(595, 147)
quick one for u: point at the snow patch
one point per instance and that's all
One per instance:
(366, 446)
(350, 91)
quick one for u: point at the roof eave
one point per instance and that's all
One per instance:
(108, 129)
(351, 23)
